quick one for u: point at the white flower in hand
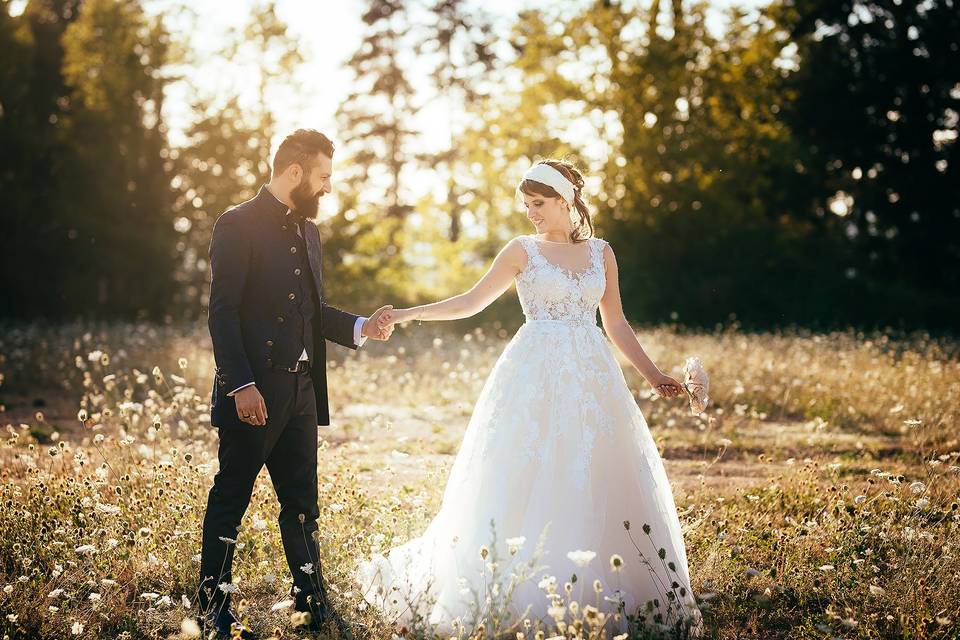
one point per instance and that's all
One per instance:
(697, 383)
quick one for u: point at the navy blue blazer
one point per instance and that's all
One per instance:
(255, 269)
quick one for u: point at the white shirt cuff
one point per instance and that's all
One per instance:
(243, 387)
(358, 338)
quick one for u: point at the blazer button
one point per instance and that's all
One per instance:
(296, 271)
(293, 249)
(269, 343)
(284, 227)
(291, 296)
(280, 319)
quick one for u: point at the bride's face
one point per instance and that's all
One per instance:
(546, 213)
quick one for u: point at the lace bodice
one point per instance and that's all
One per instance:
(550, 292)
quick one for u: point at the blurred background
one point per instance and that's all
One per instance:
(791, 162)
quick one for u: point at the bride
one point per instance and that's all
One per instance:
(557, 475)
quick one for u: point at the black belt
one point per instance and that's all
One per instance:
(302, 366)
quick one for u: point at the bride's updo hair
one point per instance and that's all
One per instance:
(583, 228)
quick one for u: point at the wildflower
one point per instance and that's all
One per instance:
(514, 544)
(86, 549)
(826, 567)
(55, 593)
(94, 597)
(581, 558)
(185, 601)
(300, 618)
(283, 604)
(557, 613)
(917, 487)
(77, 627)
(227, 587)
(189, 628)
(597, 586)
(484, 552)
(259, 524)
(228, 540)
(923, 503)
(82, 415)
(336, 507)
(107, 508)
(860, 499)
(547, 582)
(616, 562)
(877, 591)
(307, 568)
(182, 362)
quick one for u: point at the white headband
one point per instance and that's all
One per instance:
(545, 174)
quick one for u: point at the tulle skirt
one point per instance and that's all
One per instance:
(555, 461)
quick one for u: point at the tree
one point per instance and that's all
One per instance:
(878, 97)
(35, 246)
(375, 157)
(458, 41)
(119, 186)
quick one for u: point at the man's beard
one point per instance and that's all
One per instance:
(305, 203)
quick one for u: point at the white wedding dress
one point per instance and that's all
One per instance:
(555, 437)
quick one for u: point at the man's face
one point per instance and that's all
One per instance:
(314, 183)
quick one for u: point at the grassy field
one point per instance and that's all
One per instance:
(818, 494)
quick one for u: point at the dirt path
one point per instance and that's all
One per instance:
(403, 446)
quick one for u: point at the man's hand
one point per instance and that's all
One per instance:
(374, 328)
(250, 406)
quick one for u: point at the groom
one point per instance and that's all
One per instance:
(269, 323)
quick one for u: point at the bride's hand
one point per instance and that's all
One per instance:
(396, 316)
(665, 386)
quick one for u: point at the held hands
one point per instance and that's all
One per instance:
(665, 386)
(375, 327)
(393, 317)
(250, 406)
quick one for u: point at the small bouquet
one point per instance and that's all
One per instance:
(696, 383)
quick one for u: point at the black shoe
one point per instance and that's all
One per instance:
(225, 622)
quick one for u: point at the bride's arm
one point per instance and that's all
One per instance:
(622, 335)
(508, 263)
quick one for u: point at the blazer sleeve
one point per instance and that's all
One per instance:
(338, 325)
(230, 254)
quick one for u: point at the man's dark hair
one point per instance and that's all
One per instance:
(301, 147)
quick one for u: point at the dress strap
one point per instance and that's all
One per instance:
(596, 251)
(533, 252)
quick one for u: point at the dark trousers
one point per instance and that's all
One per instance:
(287, 444)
